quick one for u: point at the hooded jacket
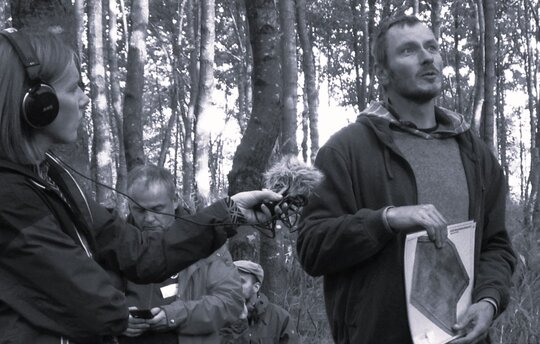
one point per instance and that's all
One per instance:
(342, 235)
(57, 247)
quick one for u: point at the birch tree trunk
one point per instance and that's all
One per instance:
(79, 8)
(4, 10)
(489, 85)
(290, 77)
(479, 67)
(188, 173)
(204, 101)
(116, 102)
(310, 82)
(102, 147)
(457, 61)
(358, 56)
(133, 92)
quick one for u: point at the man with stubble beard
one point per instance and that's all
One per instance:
(404, 165)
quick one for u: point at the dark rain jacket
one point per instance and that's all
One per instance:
(59, 249)
(343, 238)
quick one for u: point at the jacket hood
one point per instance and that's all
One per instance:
(449, 123)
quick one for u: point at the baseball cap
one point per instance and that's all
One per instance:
(250, 268)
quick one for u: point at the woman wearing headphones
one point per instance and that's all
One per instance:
(58, 249)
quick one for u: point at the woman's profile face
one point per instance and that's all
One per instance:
(72, 102)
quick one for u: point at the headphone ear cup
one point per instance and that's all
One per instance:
(40, 105)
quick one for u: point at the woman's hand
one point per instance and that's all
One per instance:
(249, 201)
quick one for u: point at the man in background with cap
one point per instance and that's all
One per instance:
(262, 321)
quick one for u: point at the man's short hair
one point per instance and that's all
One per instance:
(378, 45)
(149, 175)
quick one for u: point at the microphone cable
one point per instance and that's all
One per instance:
(264, 224)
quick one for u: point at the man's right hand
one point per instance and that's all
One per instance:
(136, 326)
(424, 215)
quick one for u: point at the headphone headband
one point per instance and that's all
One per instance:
(24, 51)
(39, 105)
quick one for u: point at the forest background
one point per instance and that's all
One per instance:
(216, 90)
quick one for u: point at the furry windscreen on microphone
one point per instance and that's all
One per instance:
(293, 178)
(295, 181)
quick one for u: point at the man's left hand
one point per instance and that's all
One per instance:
(475, 323)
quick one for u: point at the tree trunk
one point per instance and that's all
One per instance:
(102, 148)
(79, 8)
(310, 76)
(176, 24)
(415, 6)
(533, 68)
(117, 113)
(133, 92)
(457, 61)
(251, 157)
(479, 60)
(204, 101)
(371, 29)
(289, 75)
(237, 12)
(124, 22)
(57, 17)
(4, 15)
(502, 141)
(188, 171)
(305, 124)
(436, 18)
(358, 56)
(489, 85)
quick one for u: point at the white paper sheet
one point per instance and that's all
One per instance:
(423, 330)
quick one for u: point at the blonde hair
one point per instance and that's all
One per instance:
(16, 136)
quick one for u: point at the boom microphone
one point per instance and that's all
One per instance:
(295, 181)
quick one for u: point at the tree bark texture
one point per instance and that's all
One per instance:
(188, 172)
(457, 60)
(479, 66)
(358, 56)
(176, 87)
(251, 157)
(436, 18)
(117, 121)
(310, 75)
(204, 100)
(102, 148)
(133, 92)
(489, 85)
(289, 72)
(4, 15)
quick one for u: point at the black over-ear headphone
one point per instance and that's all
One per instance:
(39, 106)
